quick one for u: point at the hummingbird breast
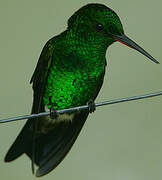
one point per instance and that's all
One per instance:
(73, 80)
(72, 88)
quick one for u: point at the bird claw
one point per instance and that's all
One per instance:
(53, 113)
(91, 106)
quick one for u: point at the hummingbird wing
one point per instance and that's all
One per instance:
(38, 79)
(40, 76)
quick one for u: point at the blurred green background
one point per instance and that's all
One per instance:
(118, 142)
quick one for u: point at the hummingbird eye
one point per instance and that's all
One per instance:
(98, 26)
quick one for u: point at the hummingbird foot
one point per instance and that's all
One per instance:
(53, 114)
(91, 106)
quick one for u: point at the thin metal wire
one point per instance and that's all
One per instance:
(114, 101)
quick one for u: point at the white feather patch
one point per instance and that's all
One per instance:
(60, 118)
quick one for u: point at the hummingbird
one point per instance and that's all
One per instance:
(69, 73)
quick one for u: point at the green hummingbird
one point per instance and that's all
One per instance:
(69, 73)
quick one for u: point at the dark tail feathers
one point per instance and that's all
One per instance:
(50, 148)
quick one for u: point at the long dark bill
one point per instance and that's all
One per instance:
(127, 41)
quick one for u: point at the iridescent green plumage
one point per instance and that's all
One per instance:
(69, 73)
(73, 75)
(78, 62)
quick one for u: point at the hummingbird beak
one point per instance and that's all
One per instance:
(127, 41)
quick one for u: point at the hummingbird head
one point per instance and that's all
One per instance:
(100, 25)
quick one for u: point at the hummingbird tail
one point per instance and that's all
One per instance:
(50, 149)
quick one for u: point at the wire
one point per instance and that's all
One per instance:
(78, 108)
